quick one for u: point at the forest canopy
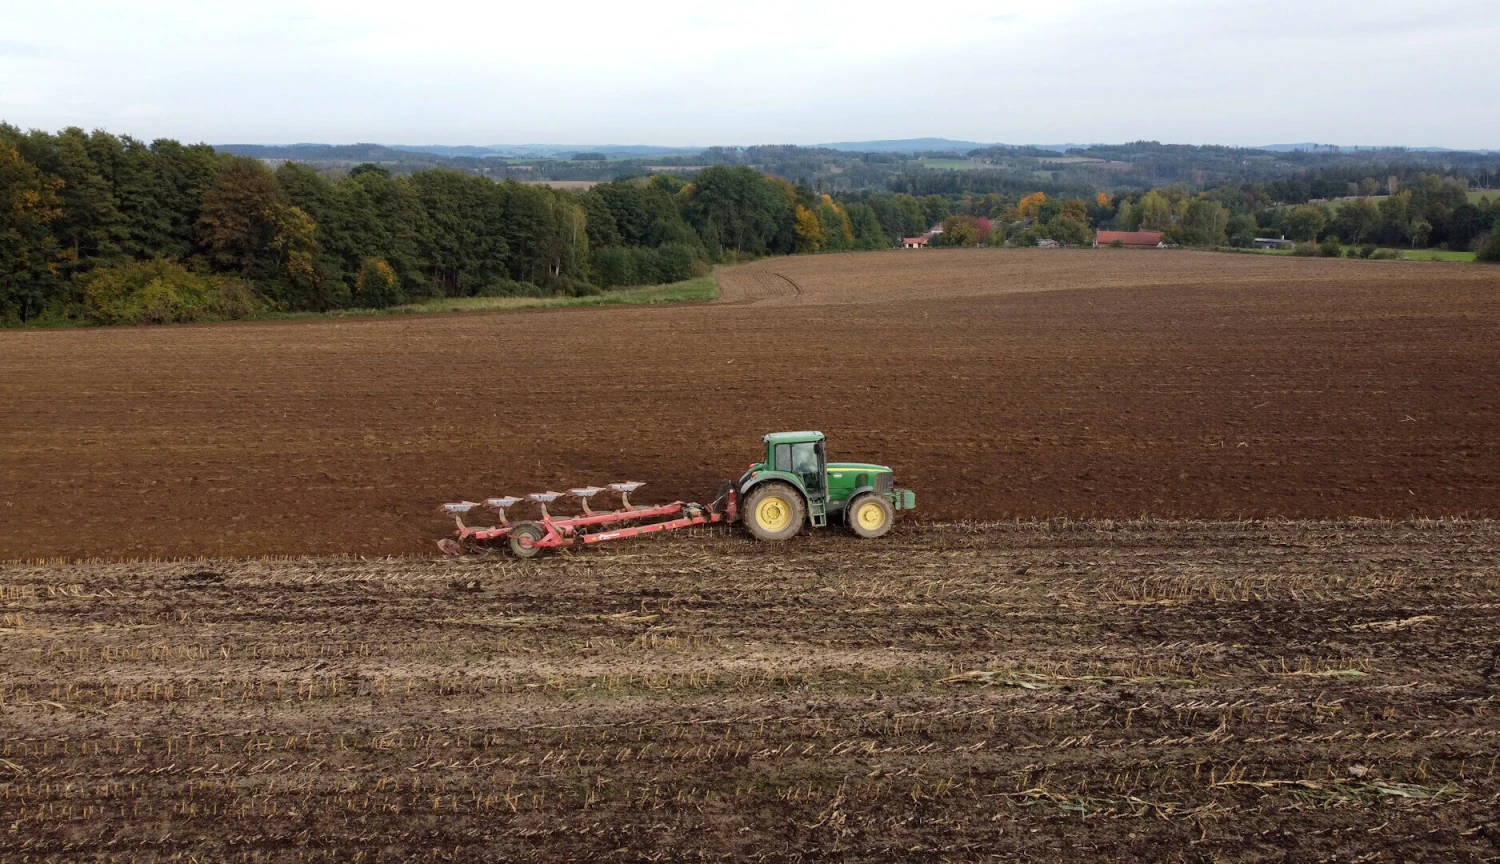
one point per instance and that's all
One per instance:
(101, 228)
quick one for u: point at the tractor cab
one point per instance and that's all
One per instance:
(797, 485)
(803, 455)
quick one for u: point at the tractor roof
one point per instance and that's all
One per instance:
(792, 437)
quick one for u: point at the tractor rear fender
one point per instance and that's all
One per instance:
(766, 476)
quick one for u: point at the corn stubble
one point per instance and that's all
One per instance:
(1124, 690)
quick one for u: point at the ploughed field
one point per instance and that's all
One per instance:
(998, 383)
(1163, 691)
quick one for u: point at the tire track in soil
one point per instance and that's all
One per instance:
(741, 286)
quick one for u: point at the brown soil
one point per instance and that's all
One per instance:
(999, 384)
(1052, 692)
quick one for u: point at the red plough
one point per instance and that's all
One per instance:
(527, 538)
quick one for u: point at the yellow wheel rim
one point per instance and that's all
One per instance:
(870, 516)
(773, 513)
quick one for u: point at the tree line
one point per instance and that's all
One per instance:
(106, 228)
(1434, 212)
(103, 228)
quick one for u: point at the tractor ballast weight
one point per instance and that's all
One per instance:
(793, 487)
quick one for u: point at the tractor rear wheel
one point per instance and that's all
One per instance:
(523, 539)
(870, 515)
(773, 511)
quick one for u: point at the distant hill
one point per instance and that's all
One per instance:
(417, 152)
(319, 152)
(526, 151)
(1307, 147)
(414, 152)
(903, 145)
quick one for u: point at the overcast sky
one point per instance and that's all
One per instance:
(687, 72)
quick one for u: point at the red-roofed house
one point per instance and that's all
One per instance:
(915, 242)
(1133, 239)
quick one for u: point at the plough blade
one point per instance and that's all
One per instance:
(583, 494)
(624, 490)
(550, 531)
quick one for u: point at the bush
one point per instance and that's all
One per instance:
(376, 285)
(674, 262)
(570, 286)
(1117, 244)
(1331, 247)
(238, 299)
(615, 266)
(1490, 251)
(618, 266)
(162, 292)
(510, 288)
(1367, 250)
(1385, 255)
(1305, 250)
(1240, 241)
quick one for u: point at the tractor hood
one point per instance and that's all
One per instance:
(846, 467)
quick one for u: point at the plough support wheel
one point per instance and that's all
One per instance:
(523, 539)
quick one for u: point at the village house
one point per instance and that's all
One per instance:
(923, 241)
(1131, 239)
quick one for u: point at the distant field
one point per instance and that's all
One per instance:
(950, 164)
(1474, 195)
(1406, 254)
(580, 185)
(1434, 255)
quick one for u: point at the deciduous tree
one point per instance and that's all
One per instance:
(961, 231)
(1303, 222)
(1030, 207)
(1156, 212)
(239, 218)
(29, 258)
(810, 234)
(1204, 222)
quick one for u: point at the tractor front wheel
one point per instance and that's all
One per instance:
(523, 539)
(773, 511)
(870, 515)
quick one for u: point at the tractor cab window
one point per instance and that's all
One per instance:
(803, 459)
(805, 465)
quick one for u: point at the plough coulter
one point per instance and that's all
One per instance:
(795, 486)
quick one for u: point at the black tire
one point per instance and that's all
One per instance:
(860, 515)
(532, 532)
(774, 511)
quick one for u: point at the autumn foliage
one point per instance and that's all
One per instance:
(1031, 206)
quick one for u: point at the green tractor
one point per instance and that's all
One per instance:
(797, 485)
